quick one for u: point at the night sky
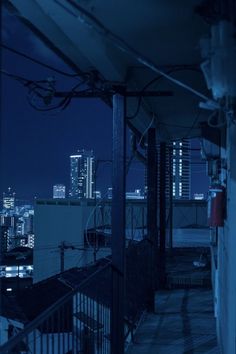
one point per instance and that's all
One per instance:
(35, 146)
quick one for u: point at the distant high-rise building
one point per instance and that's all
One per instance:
(82, 173)
(198, 196)
(59, 191)
(9, 199)
(97, 195)
(109, 193)
(134, 195)
(181, 169)
(178, 166)
(4, 240)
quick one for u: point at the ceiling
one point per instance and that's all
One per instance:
(119, 39)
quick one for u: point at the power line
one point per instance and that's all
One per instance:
(36, 61)
(96, 25)
(45, 90)
(147, 85)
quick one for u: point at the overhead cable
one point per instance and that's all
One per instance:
(86, 18)
(36, 61)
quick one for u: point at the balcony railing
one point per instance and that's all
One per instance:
(79, 322)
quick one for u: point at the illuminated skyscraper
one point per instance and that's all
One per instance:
(59, 191)
(82, 174)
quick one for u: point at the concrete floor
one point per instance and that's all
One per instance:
(182, 323)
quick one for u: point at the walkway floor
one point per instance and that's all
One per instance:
(183, 324)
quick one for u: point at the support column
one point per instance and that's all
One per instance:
(162, 204)
(152, 213)
(118, 225)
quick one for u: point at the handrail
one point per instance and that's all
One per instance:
(46, 313)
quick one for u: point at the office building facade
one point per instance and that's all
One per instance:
(82, 175)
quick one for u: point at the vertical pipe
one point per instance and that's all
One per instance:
(162, 204)
(75, 319)
(59, 330)
(27, 342)
(53, 317)
(152, 213)
(96, 308)
(118, 225)
(132, 222)
(68, 325)
(196, 214)
(95, 214)
(47, 335)
(81, 326)
(41, 340)
(143, 232)
(34, 341)
(63, 328)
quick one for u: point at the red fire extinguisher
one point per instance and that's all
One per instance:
(216, 205)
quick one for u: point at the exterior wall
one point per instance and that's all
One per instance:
(226, 321)
(57, 222)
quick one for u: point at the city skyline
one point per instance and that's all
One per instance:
(57, 133)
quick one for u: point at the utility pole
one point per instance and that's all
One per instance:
(118, 224)
(63, 246)
(152, 233)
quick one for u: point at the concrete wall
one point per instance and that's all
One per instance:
(226, 320)
(56, 222)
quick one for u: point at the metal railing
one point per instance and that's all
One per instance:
(79, 322)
